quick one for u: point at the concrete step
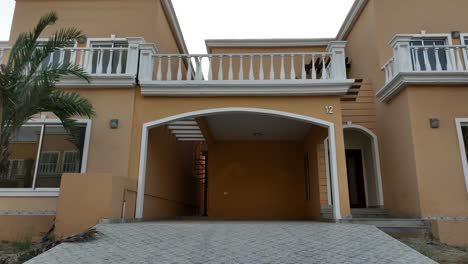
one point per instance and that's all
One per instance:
(395, 226)
(369, 212)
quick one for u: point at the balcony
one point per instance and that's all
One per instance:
(423, 65)
(113, 67)
(231, 74)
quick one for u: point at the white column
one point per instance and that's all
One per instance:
(401, 54)
(338, 60)
(146, 62)
(132, 54)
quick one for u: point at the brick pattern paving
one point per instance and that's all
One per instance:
(235, 242)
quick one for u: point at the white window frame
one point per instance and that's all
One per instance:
(48, 192)
(460, 122)
(10, 167)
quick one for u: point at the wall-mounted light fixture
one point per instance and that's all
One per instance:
(81, 39)
(114, 123)
(434, 122)
(455, 34)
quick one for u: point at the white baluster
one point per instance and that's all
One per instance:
(261, 75)
(82, 56)
(210, 67)
(417, 65)
(100, 66)
(90, 56)
(458, 58)
(199, 72)
(450, 65)
(324, 67)
(51, 56)
(159, 73)
(109, 64)
(62, 56)
(220, 70)
(251, 72)
(72, 56)
(427, 64)
(313, 71)
(2, 51)
(169, 68)
(179, 67)
(118, 70)
(241, 68)
(293, 72)
(465, 55)
(438, 65)
(272, 70)
(189, 68)
(230, 68)
(303, 72)
(282, 67)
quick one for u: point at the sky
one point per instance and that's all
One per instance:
(241, 19)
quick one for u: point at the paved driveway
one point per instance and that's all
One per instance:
(235, 242)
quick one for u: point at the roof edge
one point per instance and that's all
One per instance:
(351, 19)
(174, 25)
(275, 42)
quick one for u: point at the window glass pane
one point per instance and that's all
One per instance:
(60, 153)
(465, 138)
(431, 54)
(22, 159)
(102, 57)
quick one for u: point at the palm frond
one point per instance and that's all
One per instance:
(85, 236)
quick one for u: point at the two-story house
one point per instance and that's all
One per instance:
(373, 122)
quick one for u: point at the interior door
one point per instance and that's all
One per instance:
(356, 188)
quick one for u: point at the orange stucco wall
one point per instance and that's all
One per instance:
(313, 147)
(103, 197)
(256, 180)
(171, 188)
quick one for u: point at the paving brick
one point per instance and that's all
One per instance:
(235, 242)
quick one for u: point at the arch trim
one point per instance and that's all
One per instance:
(148, 125)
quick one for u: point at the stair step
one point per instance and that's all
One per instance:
(388, 222)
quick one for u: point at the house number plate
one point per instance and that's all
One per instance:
(329, 109)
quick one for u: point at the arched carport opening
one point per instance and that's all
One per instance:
(315, 125)
(363, 167)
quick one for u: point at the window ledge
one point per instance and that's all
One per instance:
(24, 192)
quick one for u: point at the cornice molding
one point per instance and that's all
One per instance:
(351, 19)
(98, 81)
(403, 79)
(245, 88)
(279, 42)
(174, 24)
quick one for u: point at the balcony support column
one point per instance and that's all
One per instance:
(147, 50)
(338, 60)
(401, 53)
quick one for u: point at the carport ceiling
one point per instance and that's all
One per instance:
(250, 126)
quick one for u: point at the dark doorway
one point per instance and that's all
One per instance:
(356, 188)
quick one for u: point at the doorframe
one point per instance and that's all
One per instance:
(323, 123)
(375, 154)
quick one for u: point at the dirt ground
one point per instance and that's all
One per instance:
(15, 252)
(437, 251)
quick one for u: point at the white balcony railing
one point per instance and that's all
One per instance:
(243, 68)
(94, 60)
(435, 59)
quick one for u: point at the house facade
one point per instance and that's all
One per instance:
(317, 129)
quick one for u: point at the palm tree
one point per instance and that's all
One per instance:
(28, 85)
